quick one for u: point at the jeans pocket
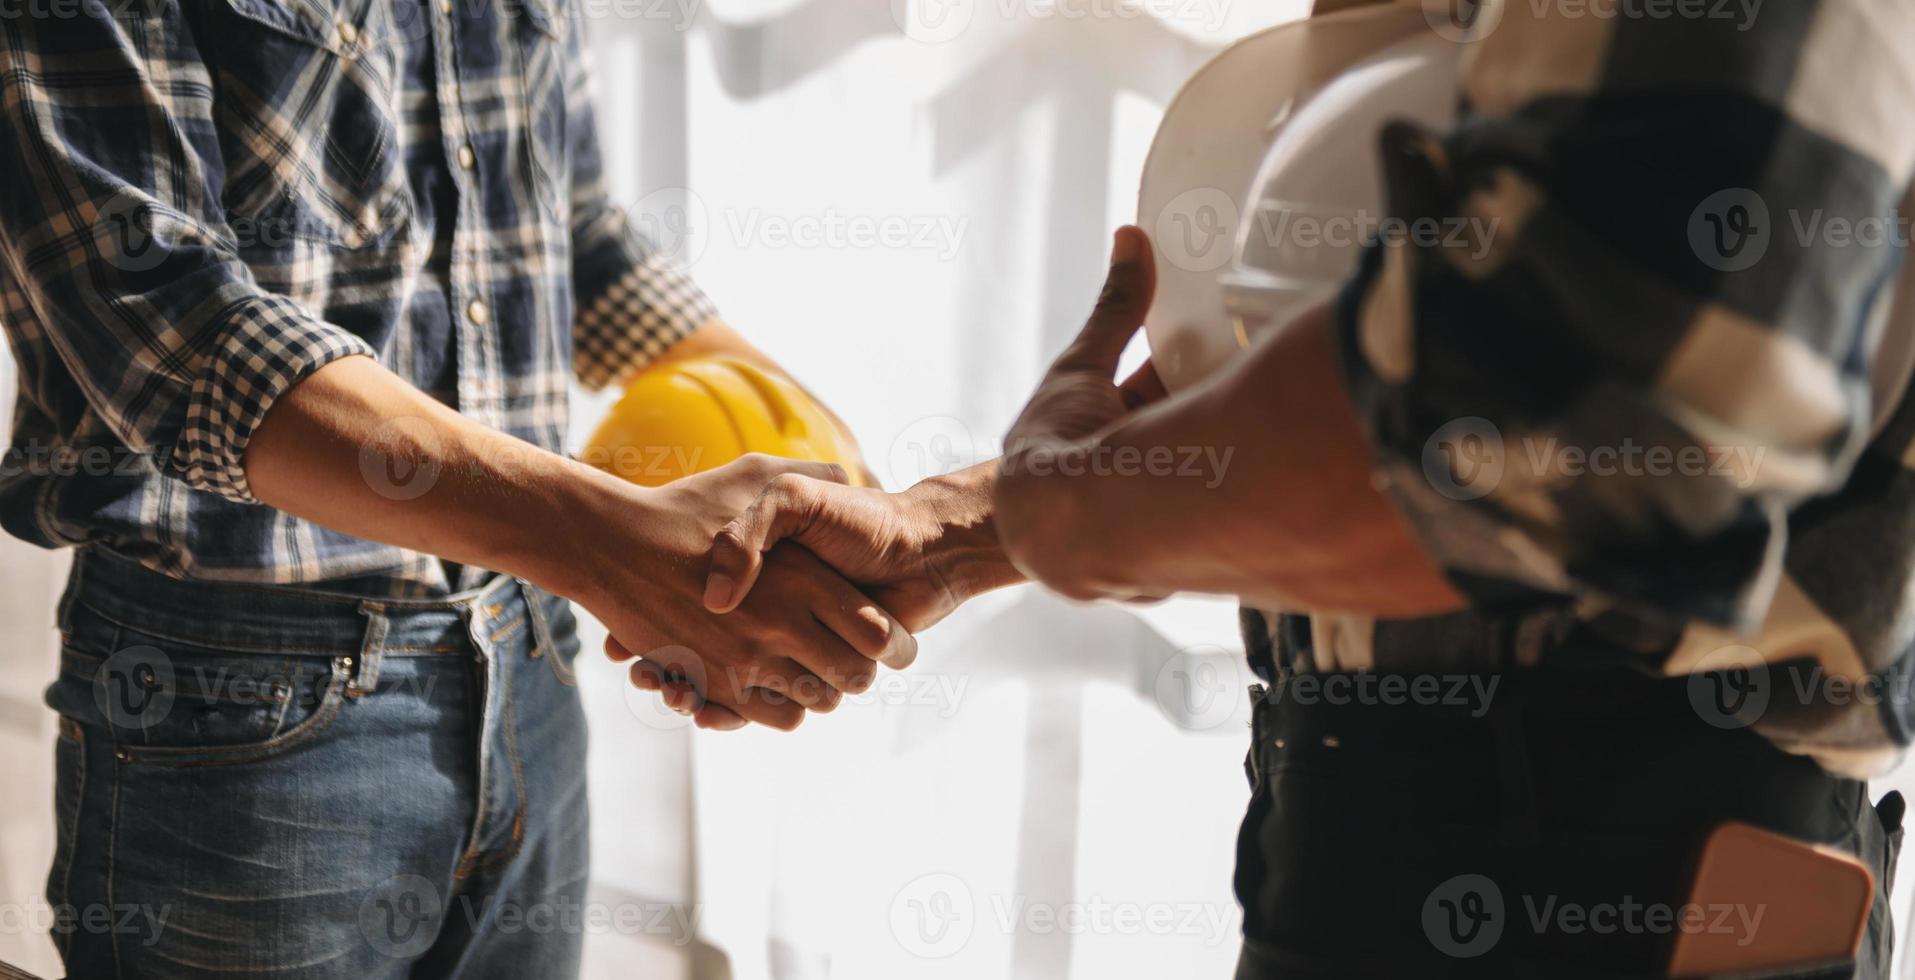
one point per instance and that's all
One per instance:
(175, 705)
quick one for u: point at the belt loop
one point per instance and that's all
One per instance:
(76, 580)
(365, 678)
(476, 627)
(535, 608)
(1258, 761)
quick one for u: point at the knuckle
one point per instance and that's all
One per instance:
(860, 678)
(827, 698)
(729, 539)
(788, 486)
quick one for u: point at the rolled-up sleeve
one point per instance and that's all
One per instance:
(633, 297)
(1629, 324)
(111, 225)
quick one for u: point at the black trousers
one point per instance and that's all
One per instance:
(1529, 829)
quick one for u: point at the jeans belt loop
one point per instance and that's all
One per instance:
(1260, 721)
(534, 599)
(365, 675)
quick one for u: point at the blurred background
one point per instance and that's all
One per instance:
(909, 205)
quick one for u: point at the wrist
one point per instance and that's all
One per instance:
(1039, 525)
(557, 541)
(961, 544)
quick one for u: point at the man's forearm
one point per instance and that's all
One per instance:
(965, 549)
(1263, 490)
(357, 449)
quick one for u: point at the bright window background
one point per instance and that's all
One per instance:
(1053, 790)
(910, 206)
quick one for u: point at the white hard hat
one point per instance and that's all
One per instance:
(1263, 182)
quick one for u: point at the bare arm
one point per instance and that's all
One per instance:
(355, 448)
(1255, 484)
(1281, 513)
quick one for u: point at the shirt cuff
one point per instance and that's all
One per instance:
(645, 309)
(269, 344)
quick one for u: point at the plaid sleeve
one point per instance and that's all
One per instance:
(259, 350)
(633, 299)
(111, 225)
(1642, 333)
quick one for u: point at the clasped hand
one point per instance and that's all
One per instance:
(780, 574)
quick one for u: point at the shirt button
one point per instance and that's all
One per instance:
(467, 158)
(348, 34)
(445, 7)
(477, 312)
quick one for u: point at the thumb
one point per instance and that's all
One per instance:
(1143, 387)
(785, 509)
(1121, 305)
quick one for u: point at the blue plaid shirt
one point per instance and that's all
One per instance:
(208, 200)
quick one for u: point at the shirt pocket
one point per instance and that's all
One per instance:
(542, 89)
(308, 110)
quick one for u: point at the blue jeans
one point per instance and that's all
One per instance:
(280, 782)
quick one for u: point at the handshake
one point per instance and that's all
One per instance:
(766, 588)
(784, 588)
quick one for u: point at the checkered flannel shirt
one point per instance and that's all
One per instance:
(207, 200)
(1649, 398)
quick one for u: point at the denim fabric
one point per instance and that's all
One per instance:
(1417, 837)
(263, 782)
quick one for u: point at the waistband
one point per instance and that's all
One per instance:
(286, 620)
(1523, 729)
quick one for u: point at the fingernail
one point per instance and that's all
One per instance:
(903, 653)
(718, 591)
(1124, 248)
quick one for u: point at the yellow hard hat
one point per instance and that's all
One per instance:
(697, 413)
